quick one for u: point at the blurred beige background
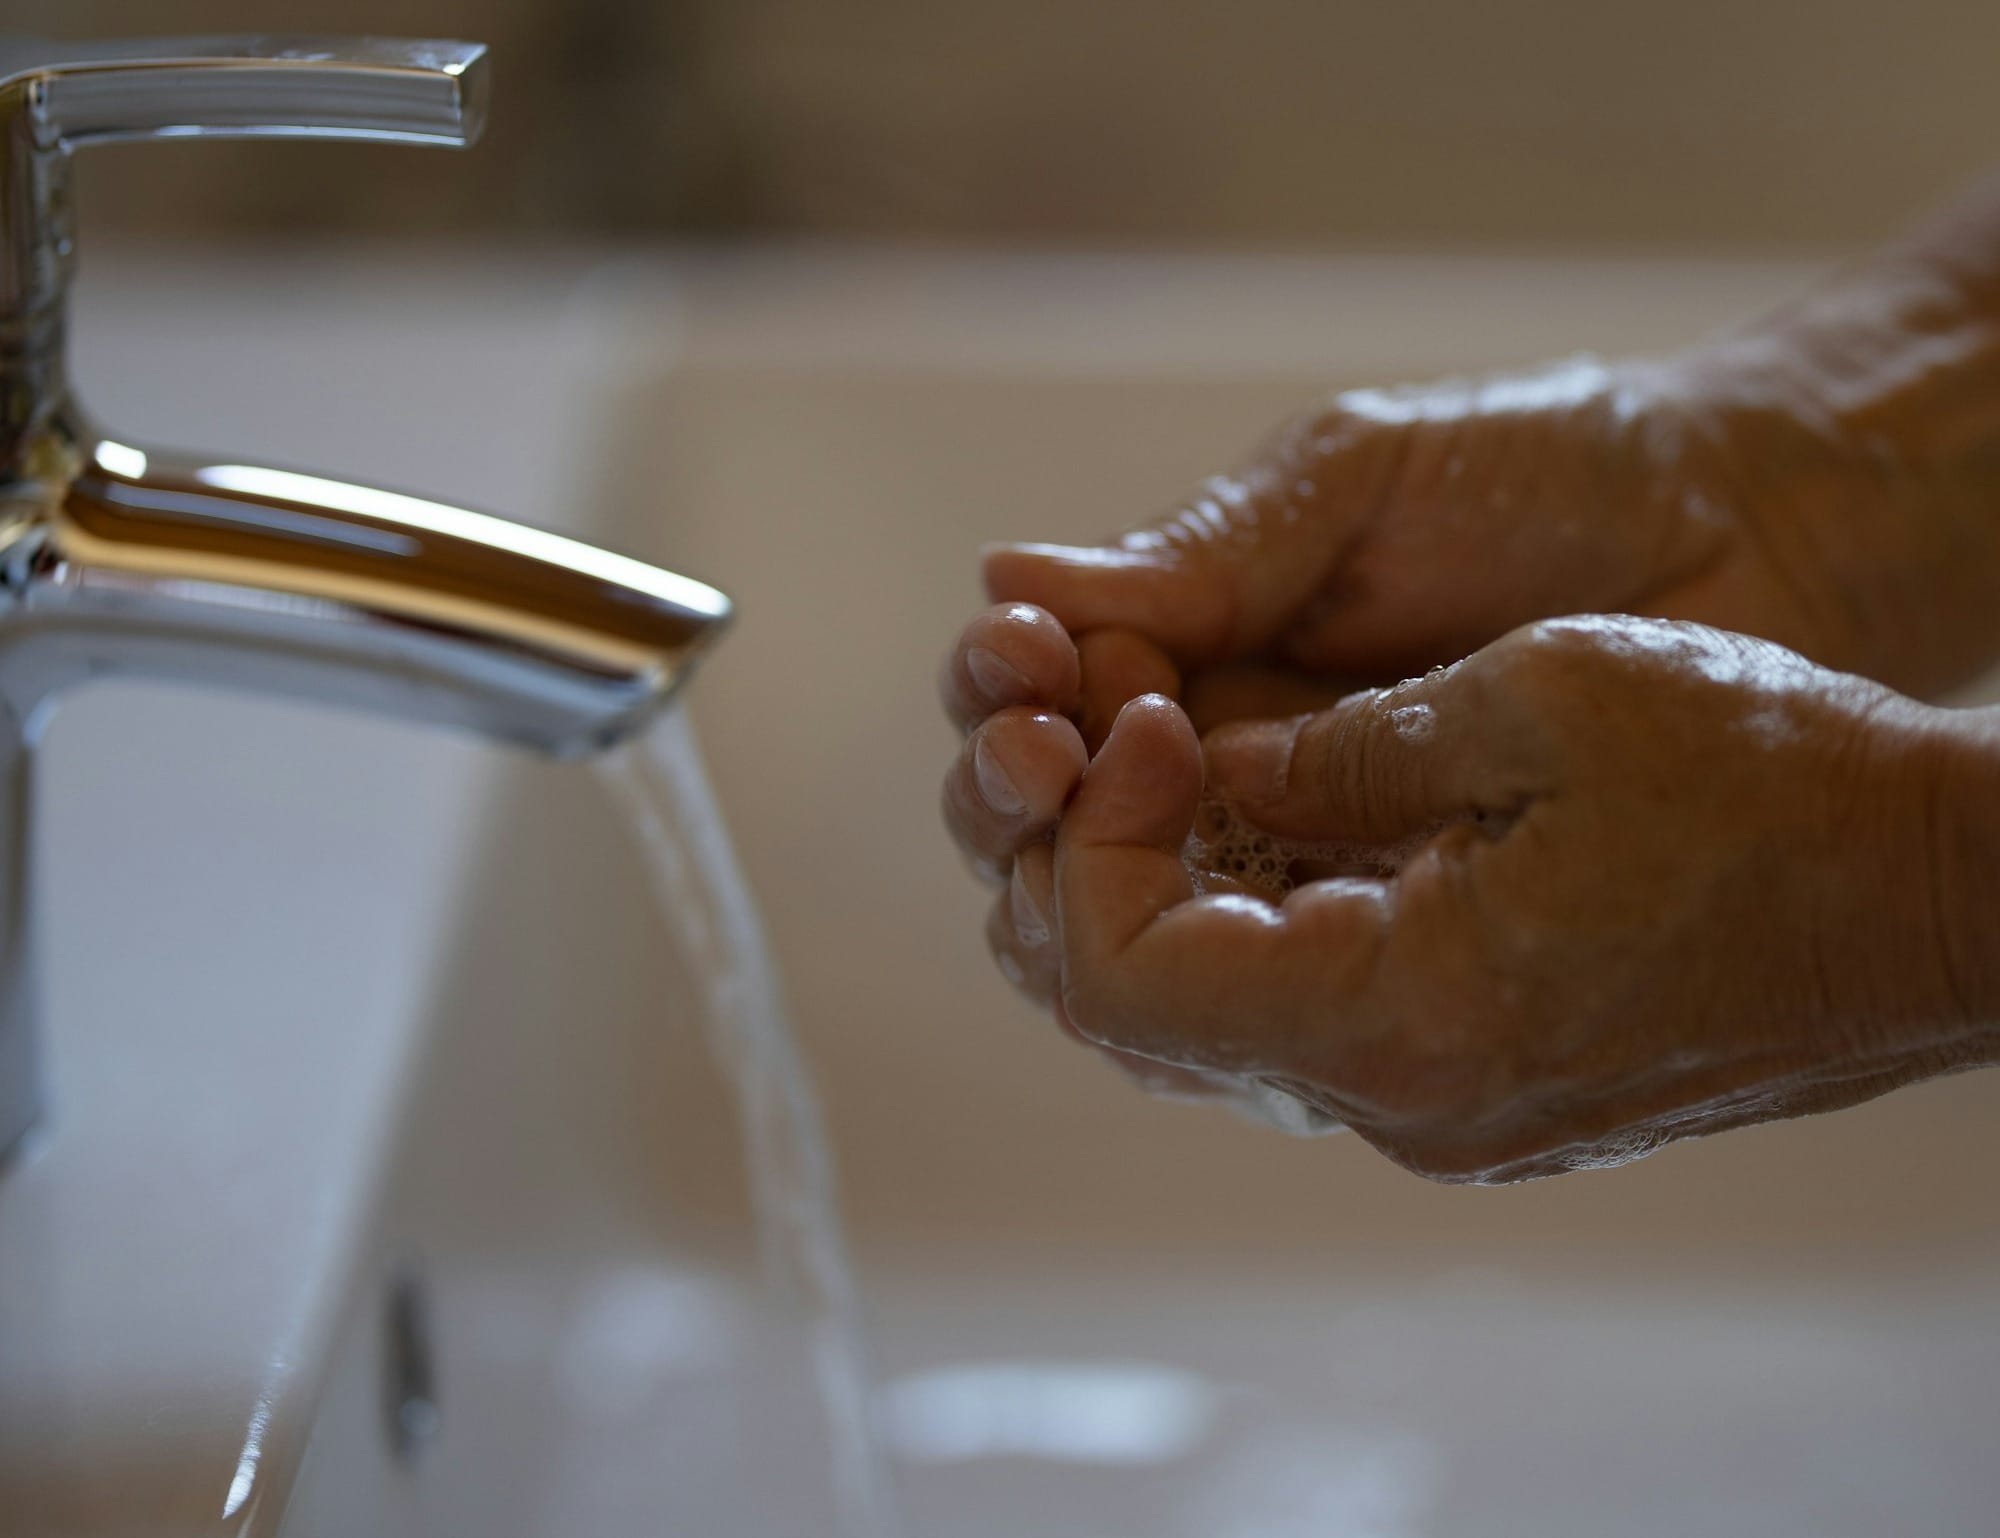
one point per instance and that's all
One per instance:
(1572, 123)
(828, 429)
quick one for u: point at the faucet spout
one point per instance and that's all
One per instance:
(120, 559)
(117, 560)
(247, 575)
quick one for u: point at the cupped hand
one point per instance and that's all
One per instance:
(1655, 880)
(1739, 485)
(1747, 484)
(1012, 683)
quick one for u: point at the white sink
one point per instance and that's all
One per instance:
(245, 901)
(390, 1006)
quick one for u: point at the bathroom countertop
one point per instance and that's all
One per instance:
(242, 900)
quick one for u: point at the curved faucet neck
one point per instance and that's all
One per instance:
(118, 559)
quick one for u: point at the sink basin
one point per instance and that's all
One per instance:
(243, 900)
(391, 1191)
(1776, 1332)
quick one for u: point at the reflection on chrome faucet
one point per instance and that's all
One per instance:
(116, 559)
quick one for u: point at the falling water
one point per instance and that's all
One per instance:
(701, 889)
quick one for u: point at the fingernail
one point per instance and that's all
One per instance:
(995, 677)
(1030, 923)
(1251, 760)
(996, 785)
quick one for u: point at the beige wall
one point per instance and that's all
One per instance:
(1564, 122)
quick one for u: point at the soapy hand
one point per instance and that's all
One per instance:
(1618, 880)
(1397, 529)
(1652, 880)
(1745, 484)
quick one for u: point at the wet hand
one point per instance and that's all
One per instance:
(1012, 683)
(1652, 880)
(1767, 482)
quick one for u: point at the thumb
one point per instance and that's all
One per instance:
(1379, 768)
(1221, 575)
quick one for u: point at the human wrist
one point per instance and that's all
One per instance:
(1899, 351)
(1882, 338)
(1856, 435)
(1899, 356)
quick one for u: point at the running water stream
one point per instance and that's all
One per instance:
(702, 893)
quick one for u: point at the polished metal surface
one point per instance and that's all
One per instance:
(121, 559)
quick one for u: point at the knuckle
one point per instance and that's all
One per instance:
(1352, 417)
(1322, 757)
(1553, 672)
(1337, 761)
(1337, 428)
(1356, 439)
(1376, 778)
(1554, 648)
(1593, 645)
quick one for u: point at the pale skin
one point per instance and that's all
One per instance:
(1677, 845)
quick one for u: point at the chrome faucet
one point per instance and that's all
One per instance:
(121, 559)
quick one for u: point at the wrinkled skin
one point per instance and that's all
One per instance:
(1668, 879)
(1647, 849)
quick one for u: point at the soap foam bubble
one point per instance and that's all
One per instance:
(1225, 851)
